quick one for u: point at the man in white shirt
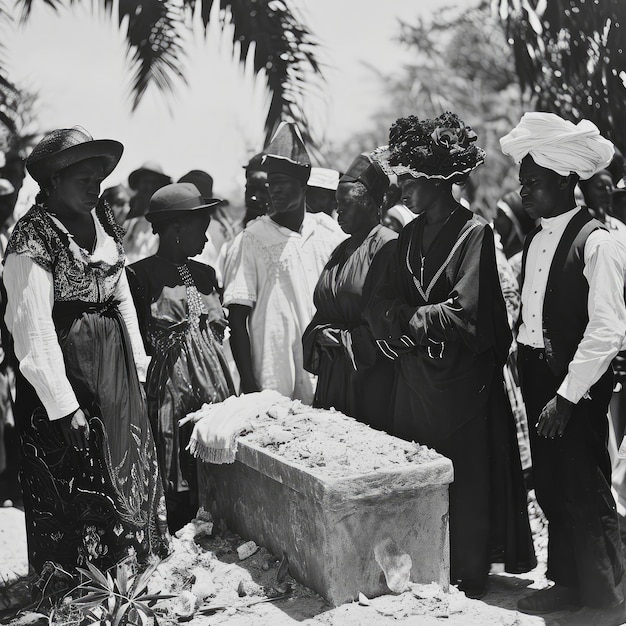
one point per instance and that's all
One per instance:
(573, 323)
(270, 273)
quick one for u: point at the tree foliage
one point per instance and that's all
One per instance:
(266, 33)
(461, 62)
(571, 56)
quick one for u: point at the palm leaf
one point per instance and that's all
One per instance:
(27, 6)
(283, 47)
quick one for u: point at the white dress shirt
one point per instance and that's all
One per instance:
(274, 270)
(604, 266)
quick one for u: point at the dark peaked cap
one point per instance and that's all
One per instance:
(369, 173)
(286, 153)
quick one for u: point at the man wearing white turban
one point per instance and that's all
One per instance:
(573, 323)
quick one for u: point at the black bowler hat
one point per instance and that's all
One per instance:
(175, 199)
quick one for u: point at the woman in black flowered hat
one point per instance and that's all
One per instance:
(440, 315)
(90, 479)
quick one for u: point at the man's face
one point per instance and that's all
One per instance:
(286, 193)
(148, 183)
(600, 191)
(257, 198)
(542, 189)
(320, 200)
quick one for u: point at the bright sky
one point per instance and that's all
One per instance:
(75, 61)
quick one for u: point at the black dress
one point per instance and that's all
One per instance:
(354, 377)
(440, 315)
(108, 504)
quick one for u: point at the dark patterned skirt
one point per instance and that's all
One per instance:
(187, 370)
(107, 503)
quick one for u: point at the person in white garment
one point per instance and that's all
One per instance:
(270, 274)
(573, 323)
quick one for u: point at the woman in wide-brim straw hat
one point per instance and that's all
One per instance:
(182, 322)
(439, 313)
(92, 490)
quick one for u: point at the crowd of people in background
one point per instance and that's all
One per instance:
(378, 292)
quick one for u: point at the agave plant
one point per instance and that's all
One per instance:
(283, 46)
(118, 600)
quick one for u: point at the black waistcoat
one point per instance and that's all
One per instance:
(565, 315)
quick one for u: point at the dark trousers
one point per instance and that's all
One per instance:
(572, 478)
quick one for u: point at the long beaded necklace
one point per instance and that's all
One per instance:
(195, 304)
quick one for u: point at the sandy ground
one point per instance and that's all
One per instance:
(423, 604)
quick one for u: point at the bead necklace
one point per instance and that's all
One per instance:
(195, 304)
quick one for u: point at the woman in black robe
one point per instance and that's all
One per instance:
(438, 312)
(353, 375)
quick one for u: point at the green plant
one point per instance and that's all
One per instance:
(120, 600)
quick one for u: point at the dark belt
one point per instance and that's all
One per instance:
(74, 309)
(536, 353)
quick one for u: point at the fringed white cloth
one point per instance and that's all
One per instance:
(559, 145)
(214, 437)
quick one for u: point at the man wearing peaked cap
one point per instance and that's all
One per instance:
(286, 153)
(320, 191)
(573, 323)
(140, 242)
(271, 271)
(256, 197)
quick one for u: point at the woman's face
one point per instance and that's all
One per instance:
(78, 186)
(352, 214)
(418, 193)
(192, 232)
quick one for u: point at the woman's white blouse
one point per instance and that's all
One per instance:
(30, 299)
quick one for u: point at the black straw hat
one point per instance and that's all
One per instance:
(65, 146)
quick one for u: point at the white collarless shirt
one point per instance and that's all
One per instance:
(604, 266)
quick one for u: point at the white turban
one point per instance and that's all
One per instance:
(559, 145)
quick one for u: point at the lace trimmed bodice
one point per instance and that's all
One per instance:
(77, 273)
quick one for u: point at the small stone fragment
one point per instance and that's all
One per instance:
(364, 600)
(203, 584)
(247, 550)
(186, 604)
(241, 589)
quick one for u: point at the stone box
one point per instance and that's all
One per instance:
(328, 526)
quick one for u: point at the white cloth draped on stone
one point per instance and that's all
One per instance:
(559, 145)
(214, 437)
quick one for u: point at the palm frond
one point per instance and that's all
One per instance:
(154, 39)
(283, 47)
(27, 6)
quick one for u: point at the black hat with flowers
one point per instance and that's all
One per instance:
(442, 148)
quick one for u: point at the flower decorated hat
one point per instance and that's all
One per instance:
(442, 148)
